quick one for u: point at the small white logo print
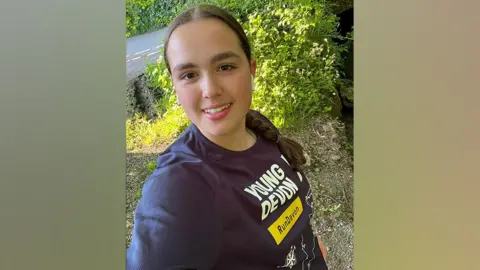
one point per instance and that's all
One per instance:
(291, 259)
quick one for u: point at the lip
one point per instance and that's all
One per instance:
(219, 115)
(216, 106)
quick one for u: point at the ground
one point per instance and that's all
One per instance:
(330, 172)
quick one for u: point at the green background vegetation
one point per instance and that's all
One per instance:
(298, 68)
(297, 73)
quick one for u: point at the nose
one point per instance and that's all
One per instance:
(210, 87)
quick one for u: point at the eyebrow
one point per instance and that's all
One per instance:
(216, 58)
(223, 56)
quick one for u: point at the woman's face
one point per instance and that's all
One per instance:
(211, 75)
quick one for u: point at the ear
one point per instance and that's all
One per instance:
(253, 67)
(253, 83)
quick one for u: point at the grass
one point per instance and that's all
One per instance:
(148, 134)
(329, 170)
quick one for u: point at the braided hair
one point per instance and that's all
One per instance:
(291, 150)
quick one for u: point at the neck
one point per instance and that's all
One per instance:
(238, 140)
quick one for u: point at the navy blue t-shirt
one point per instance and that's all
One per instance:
(206, 207)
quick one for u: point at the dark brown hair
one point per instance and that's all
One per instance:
(203, 11)
(255, 121)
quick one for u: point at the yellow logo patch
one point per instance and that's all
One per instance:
(280, 228)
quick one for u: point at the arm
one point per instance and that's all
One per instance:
(322, 247)
(176, 225)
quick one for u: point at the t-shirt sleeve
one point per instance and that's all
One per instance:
(176, 222)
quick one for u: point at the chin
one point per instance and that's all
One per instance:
(224, 127)
(219, 129)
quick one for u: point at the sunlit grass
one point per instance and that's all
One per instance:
(142, 133)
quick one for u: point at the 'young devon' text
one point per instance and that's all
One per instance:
(273, 189)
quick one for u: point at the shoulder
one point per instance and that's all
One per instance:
(177, 175)
(177, 207)
(180, 171)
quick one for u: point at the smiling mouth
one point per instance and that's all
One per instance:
(217, 110)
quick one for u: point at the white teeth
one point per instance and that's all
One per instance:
(216, 110)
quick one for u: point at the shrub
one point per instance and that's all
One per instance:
(150, 133)
(295, 61)
(159, 78)
(146, 15)
(135, 10)
(240, 9)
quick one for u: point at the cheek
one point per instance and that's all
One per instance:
(242, 89)
(189, 98)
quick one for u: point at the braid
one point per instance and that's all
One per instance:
(290, 149)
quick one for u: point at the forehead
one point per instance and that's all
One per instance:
(199, 40)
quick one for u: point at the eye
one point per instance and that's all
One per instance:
(226, 67)
(187, 76)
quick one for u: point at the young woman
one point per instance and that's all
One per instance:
(228, 193)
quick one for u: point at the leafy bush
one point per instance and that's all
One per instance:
(296, 61)
(134, 14)
(240, 9)
(147, 15)
(159, 78)
(142, 132)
